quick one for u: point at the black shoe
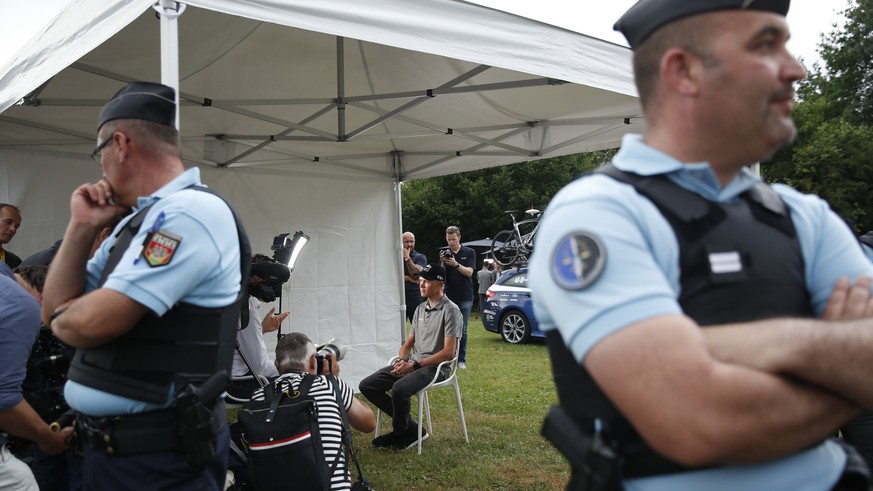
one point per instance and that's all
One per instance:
(409, 439)
(384, 441)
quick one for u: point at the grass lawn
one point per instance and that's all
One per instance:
(506, 391)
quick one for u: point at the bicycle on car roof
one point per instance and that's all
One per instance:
(515, 245)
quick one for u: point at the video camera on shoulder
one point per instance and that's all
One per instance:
(332, 347)
(271, 276)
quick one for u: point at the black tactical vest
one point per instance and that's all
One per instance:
(187, 344)
(739, 262)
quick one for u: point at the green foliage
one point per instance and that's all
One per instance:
(475, 201)
(832, 155)
(506, 392)
(848, 57)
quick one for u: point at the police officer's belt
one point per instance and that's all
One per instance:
(154, 431)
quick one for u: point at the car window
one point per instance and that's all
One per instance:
(517, 280)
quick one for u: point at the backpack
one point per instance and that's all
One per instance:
(283, 439)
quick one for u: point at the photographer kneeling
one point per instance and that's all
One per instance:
(264, 424)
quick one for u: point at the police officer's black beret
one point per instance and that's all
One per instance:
(141, 100)
(647, 16)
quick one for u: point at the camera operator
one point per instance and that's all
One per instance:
(265, 283)
(295, 357)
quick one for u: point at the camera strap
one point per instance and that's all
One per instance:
(346, 432)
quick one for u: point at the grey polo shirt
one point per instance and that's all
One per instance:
(431, 326)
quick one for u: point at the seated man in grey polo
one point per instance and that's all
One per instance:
(436, 326)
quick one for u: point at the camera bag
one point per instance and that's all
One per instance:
(283, 439)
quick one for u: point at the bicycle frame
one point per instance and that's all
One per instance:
(513, 244)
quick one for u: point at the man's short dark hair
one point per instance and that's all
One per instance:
(34, 275)
(690, 34)
(293, 352)
(146, 131)
(9, 205)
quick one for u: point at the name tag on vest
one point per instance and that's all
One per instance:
(725, 262)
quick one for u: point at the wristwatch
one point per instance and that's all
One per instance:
(416, 365)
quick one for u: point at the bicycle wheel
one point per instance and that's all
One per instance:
(505, 247)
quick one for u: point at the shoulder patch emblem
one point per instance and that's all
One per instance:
(160, 247)
(578, 260)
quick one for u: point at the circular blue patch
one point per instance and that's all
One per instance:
(578, 260)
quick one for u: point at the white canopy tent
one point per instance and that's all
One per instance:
(308, 116)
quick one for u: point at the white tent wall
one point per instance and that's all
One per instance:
(40, 183)
(345, 283)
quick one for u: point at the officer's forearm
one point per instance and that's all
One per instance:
(833, 355)
(698, 410)
(96, 318)
(66, 276)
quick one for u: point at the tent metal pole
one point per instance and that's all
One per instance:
(397, 165)
(170, 12)
(340, 89)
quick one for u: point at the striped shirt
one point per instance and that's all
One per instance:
(329, 419)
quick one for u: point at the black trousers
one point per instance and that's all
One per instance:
(167, 470)
(859, 433)
(376, 389)
(856, 475)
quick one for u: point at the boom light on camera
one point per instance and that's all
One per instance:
(286, 250)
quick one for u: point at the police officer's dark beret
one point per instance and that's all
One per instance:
(647, 16)
(141, 100)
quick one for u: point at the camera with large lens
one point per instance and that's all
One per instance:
(334, 348)
(446, 253)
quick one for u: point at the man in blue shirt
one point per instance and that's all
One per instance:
(19, 325)
(155, 311)
(460, 263)
(676, 235)
(413, 263)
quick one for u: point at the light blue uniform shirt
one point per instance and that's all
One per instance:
(641, 280)
(203, 271)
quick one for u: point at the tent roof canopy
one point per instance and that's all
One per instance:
(384, 89)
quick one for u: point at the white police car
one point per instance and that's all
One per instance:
(509, 309)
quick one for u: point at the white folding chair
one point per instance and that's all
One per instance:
(451, 380)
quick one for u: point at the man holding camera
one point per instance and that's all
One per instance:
(296, 357)
(436, 327)
(154, 313)
(460, 264)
